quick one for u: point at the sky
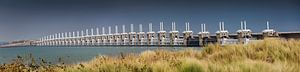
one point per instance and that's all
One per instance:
(32, 19)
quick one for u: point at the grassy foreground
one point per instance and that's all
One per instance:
(270, 55)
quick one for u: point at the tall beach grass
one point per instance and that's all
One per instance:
(269, 55)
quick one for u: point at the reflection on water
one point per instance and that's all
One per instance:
(71, 54)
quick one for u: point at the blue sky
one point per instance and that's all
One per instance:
(31, 19)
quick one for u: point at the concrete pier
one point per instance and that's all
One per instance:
(244, 34)
(267, 33)
(203, 35)
(174, 35)
(152, 38)
(162, 40)
(187, 34)
(141, 36)
(222, 34)
(132, 36)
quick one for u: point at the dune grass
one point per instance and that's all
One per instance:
(269, 55)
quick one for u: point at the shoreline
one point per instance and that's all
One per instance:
(271, 55)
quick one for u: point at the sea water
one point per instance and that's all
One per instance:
(71, 55)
